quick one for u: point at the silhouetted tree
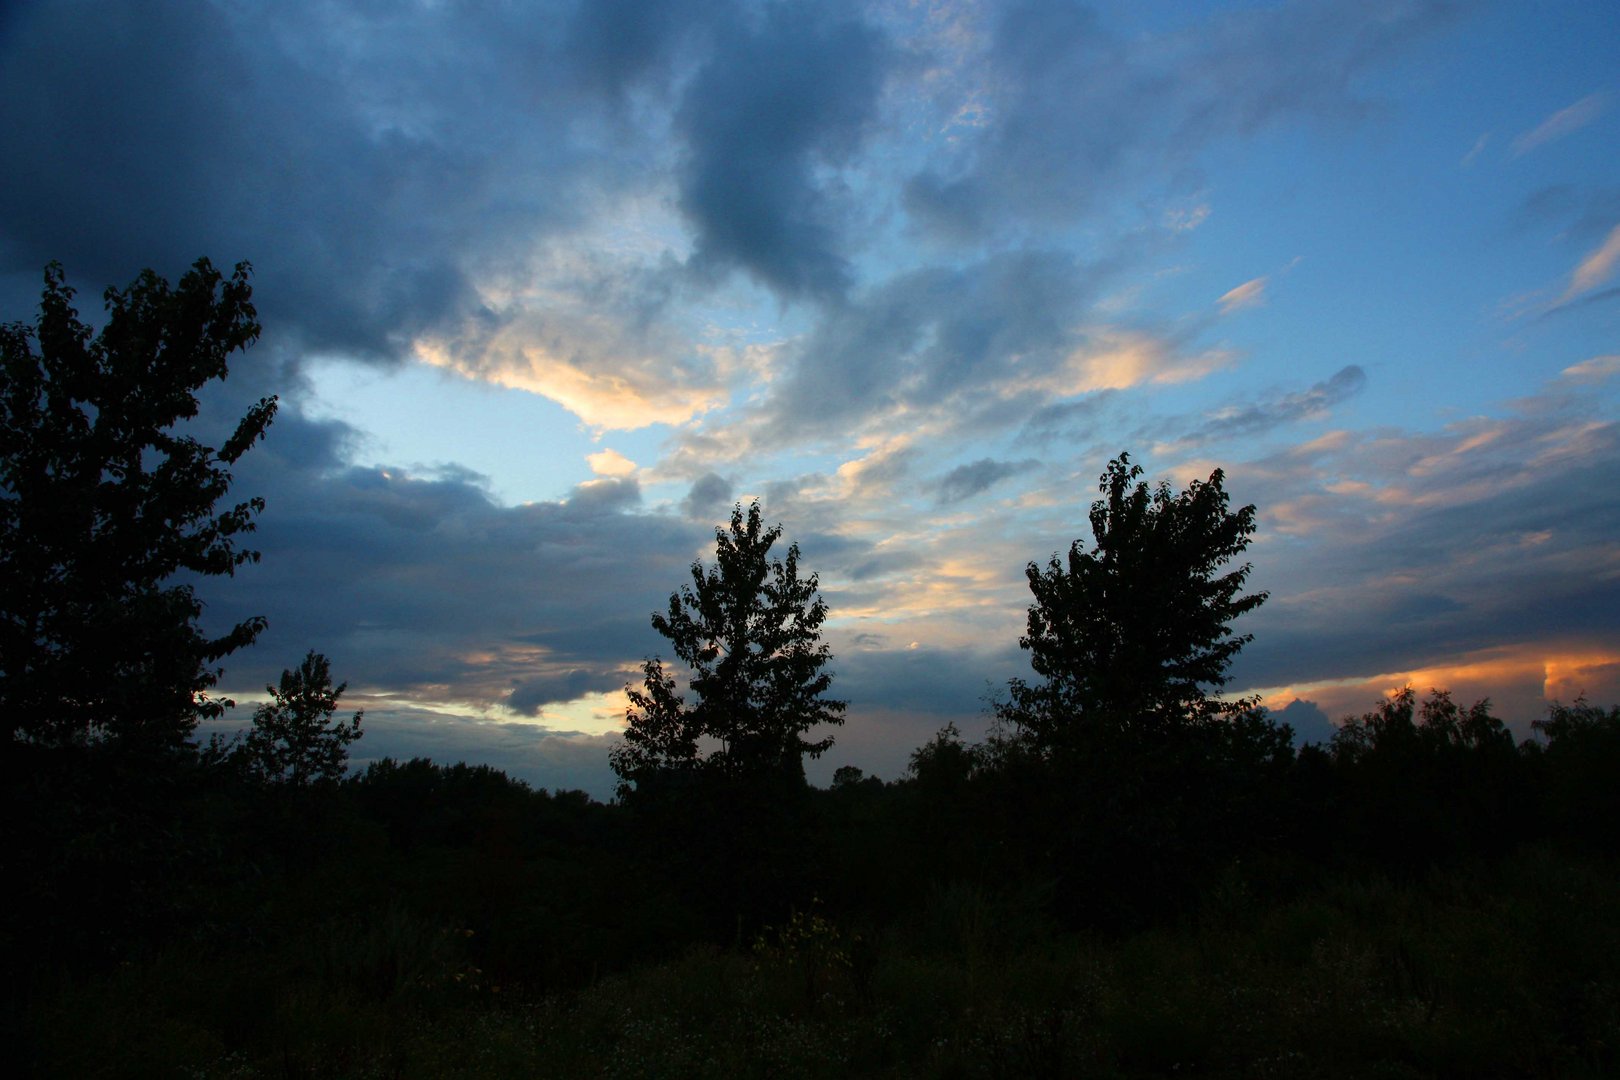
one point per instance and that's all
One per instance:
(1127, 636)
(944, 763)
(846, 777)
(104, 500)
(749, 631)
(1129, 783)
(1400, 726)
(294, 741)
(1580, 771)
(1427, 781)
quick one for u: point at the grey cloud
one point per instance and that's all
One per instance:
(615, 45)
(1076, 111)
(1492, 538)
(327, 144)
(966, 481)
(539, 756)
(1548, 205)
(427, 586)
(881, 565)
(531, 695)
(880, 472)
(1577, 216)
(1602, 296)
(1310, 723)
(1263, 416)
(942, 682)
(605, 494)
(709, 494)
(928, 335)
(794, 90)
(556, 761)
(786, 497)
(1065, 419)
(880, 741)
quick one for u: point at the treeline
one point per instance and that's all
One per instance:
(111, 859)
(418, 886)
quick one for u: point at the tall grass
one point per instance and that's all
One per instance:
(1510, 969)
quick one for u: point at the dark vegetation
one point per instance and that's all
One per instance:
(1132, 876)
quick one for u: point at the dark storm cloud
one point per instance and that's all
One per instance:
(1263, 416)
(531, 695)
(429, 587)
(370, 162)
(966, 481)
(1075, 111)
(791, 90)
(613, 45)
(379, 164)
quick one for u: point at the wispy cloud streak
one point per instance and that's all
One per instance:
(1562, 123)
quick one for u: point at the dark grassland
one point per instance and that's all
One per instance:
(424, 921)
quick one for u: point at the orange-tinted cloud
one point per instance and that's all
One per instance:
(1520, 680)
(1251, 293)
(617, 399)
(1561, 123)
(610, 462)
(1595, 269)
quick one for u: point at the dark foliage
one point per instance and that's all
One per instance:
(718, 784)
(1127, 636)
(294, 740)
(116, 832)
(1579, 773)
(104, 500)
(749, 632)
(1137, 786)
(1428, 781)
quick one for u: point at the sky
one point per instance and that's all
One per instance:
(547, 288)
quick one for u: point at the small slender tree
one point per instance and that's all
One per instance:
(294, 741)
(748, 630)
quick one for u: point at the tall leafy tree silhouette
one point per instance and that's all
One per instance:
(748, 629)
(105, 500)
(1120, 771)
(1131, 635)
(294, 742)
